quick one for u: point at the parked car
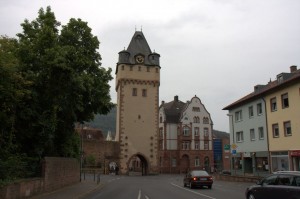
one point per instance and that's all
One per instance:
(198, 178)
(278, 185)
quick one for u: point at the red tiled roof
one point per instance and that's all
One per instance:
(292, 77)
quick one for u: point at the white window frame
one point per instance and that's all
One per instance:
(185, 145)
(238, 116)
(251, 112)
(273, 103)
(259, 109)
(206, 132)
(287, 128)
(206, 145)
(275, 130)
(261, 134)
(285, 100)
(196, 131)
(239, 136)
(197, 145)
(252, 134)
(186, 131)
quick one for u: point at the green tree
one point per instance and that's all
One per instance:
(13, 92)
(69, 84)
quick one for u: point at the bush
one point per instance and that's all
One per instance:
(17, 167)
(90, 160)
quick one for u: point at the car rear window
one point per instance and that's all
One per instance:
(199, 173)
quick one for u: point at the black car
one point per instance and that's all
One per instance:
(198, 178)
(279, 185)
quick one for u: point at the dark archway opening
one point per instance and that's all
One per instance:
(138, 165)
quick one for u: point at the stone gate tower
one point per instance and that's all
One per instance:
(137, 86)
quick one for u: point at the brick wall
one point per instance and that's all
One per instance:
(60, 172)
(104, 152)
(57, 172)
(23, 189)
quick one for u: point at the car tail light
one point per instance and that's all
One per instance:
(194, 178)
(210, 178)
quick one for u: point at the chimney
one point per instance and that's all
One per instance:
(293, 68)
(176, 98)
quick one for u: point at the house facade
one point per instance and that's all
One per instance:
(248, 136)
(283, 110)
(264, 126)
(185, 136)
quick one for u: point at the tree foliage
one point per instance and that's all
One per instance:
(51, 78)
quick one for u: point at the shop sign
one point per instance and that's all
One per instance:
(295, 153)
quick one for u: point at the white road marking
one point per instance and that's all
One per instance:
(140, 195)
(193, 191)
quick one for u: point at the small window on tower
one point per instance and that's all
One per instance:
(144, 92)
(134, 92)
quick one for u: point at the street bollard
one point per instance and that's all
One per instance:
(94, 175)
(98, 178)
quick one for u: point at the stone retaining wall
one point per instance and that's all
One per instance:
(253, 179)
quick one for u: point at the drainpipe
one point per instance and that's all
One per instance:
(232, 159)
(267, 131)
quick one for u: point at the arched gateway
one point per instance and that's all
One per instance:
(138, 165)
(137, 85)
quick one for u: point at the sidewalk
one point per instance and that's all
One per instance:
(71, 192)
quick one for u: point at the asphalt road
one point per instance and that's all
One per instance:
(163, 187)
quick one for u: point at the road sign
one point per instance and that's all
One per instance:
(234, 146)
(226, 147)
(233, 152)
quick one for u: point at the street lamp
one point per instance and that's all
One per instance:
(81, 149)
(233, 141)
(232, 125)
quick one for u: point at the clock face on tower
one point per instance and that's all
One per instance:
(139, 59)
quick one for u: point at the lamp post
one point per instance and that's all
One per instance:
(233, 142)
(81, 149)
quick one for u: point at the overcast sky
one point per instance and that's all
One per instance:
(215, 49)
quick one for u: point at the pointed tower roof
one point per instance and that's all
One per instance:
(139, 44)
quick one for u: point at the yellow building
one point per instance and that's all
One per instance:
(283, 120)
(137, 86)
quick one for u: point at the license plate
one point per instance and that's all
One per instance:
(203, 178)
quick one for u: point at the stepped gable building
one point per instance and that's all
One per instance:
(185, 136)
(137, 86)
